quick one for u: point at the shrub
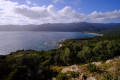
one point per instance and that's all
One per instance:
(107, 76)
(61, 76)
(92, 68)
(18, 74)
(74, 74)
(110, 77)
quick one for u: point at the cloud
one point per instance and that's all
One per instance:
(99, 16)
(51, 9)
(14, 13)
(32, 12)
(74, 2)
(50, 14)
(7, 5)
(56, 1)
(28, 2)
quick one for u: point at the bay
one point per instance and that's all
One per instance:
(19, 40)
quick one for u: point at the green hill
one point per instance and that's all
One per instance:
(113, 31)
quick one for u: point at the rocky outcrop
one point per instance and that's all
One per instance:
(108, 61)
(97, 63)
(91, 78)
(71, 68)
(53, 78)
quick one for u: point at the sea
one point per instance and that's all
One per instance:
(11, 41)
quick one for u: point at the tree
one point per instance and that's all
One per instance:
(18, 74)
(66, 57)
(84, 54)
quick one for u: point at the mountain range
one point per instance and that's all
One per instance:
(62, 27)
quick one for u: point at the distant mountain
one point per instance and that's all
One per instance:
(112, 31)
(62, 27)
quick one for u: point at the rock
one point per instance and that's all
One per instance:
(97, 63)
(91, 78)
(108, 61)
(71, 68)
(60, 45)
(53, 78)
(75, 78)
(119, 57)
(111, 69)
(118, 78)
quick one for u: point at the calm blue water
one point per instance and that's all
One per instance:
(13, 41)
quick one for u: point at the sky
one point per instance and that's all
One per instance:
(23, 12)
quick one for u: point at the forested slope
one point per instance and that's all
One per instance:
(112, 31)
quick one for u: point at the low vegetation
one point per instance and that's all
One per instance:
(92, 68)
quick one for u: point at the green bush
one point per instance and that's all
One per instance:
(61, 76)
(74, 74)
(110, 77)
(92, 68)
(18, 74)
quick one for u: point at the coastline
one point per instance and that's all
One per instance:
(94, 33)
(60, 43)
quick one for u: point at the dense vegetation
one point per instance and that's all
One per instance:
(37, 65)
(113, 31)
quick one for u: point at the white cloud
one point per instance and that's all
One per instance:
(32, 12)
(28, 2)
(14, 13)
(56, 1)
(7, 5)
(99, 16)
(74, 2)
(51, 9)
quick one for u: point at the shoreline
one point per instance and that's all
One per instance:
(94, 33)
(60, 43)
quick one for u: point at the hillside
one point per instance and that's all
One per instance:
(108, 70)
(112, 31)
(61, 27)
